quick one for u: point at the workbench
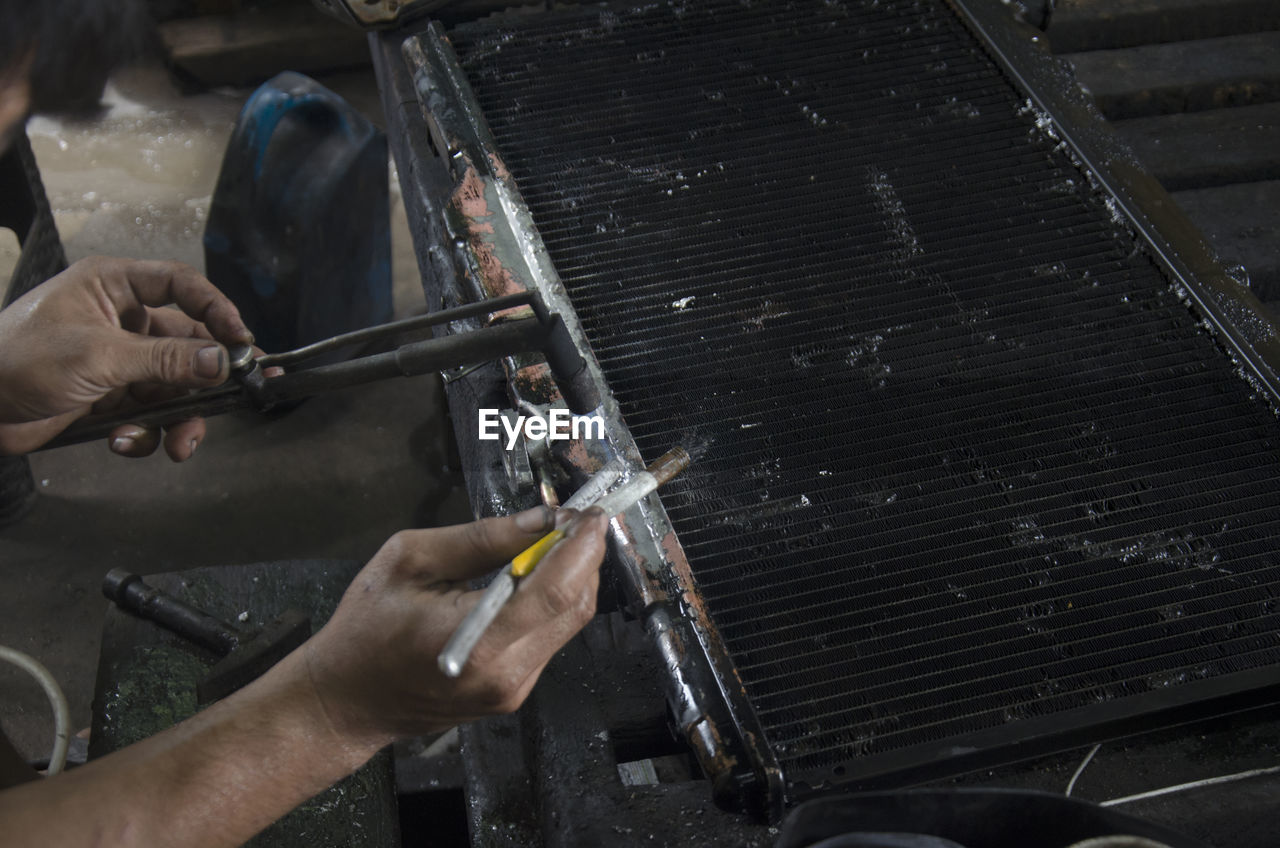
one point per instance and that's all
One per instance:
(147, 679)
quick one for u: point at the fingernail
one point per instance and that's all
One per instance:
(195, 443)
(209, 362)
(127, 440)
(564, 516)
(538, 519)
(589, 518)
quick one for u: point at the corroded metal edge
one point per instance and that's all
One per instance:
(500, 249)
(1234, 314)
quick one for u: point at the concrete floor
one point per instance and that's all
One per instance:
(332, 479)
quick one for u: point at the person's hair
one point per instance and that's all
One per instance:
(72, 46)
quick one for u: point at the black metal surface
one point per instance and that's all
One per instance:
(148, 677)
(246, 656)
(253, 657)
(974, 470)
(130, 592)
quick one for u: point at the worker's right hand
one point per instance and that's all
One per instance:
(96, 338)
(373, 666)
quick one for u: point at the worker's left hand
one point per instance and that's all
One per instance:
(95, 338)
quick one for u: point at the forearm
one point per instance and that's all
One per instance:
(214, 780)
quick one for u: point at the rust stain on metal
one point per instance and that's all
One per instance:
(469, 199)
(678, 563)
(499, 167)
(469, 204)
(534, 383)
(696, 605)
(628, 542)
(671, 549)
(577, 455)
(649, 593)
(495, 278)
(713, 755)
(513, 313)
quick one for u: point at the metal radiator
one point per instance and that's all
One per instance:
(990, 464)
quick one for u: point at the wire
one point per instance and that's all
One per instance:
(1195, 784)
(1080, 769)
(57, 700)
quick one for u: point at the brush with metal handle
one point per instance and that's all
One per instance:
(592, 494)
(459, 647)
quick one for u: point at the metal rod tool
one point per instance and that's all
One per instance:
(250, 388)
(244, 655)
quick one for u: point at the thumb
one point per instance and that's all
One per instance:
(185, 362)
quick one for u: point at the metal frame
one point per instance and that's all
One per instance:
(1234, 313)
(497, 250)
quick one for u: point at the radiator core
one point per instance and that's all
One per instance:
(972, 464)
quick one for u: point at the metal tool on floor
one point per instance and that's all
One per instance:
(453, 659)
(250, 387)
(246, 655)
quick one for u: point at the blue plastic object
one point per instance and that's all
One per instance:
(299, 226)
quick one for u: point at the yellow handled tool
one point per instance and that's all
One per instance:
(456, 651)
(523, 562)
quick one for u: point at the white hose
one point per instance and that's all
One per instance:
(1195, 784)
(1079, 771)
(57, 700)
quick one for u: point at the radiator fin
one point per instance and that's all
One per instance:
(971, 460)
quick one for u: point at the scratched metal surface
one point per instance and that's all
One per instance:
(974, 467)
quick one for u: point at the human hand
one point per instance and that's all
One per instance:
(373, 666)
(368, 677)
(94, 338)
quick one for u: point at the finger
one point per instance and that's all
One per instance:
(535, 648)
(189, 363)
(464, 551)
(182, 439)
(544, 614)
(561, 589)
(133, 440)
(527, 657)
(507, 670)
(148, 393)
(171, 322)
(153, 283)
(127, 398)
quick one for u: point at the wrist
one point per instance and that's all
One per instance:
(352, 737)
